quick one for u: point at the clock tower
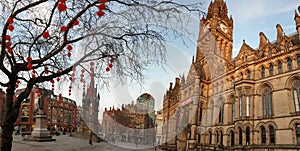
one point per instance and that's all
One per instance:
(220, 26)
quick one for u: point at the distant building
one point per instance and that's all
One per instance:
(147, 102)
(60, 112)
(128, 124)
(159, 125)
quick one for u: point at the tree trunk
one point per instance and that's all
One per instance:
(9, 117)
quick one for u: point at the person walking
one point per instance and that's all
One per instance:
(91, 138)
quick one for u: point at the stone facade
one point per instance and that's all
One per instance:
(250, 101)
(128, 124)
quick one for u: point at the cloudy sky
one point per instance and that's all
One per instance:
(250, 17)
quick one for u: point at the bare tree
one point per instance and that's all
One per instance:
(40, 38)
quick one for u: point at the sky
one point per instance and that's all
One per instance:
(250, 17)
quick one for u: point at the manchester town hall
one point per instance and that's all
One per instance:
(250, 102)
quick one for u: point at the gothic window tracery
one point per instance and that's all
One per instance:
(279, 67)
(297, 129)
(296, 90)
(232, 138)
(247, 135)
(289, 64)
(248, 74)
(272, 134)
(267, 102)
(262, 72)
(263, 135)
(270, 52)
(271, 69)
(240, 136)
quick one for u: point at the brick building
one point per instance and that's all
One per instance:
(60, 112)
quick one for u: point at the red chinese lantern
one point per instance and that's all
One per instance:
(100, 13)
(111, 60)
(92, 69)
(103, 1)
(11, 27)
(29, 59)
(52, 81)
(110, 65)
(69, 54)
(10, 20)
(69, 47)
(8, 44)
(61, 7)
(17, 86)
(92, 63)
(63, 28)
(7, 37)
(62, 1)
(57, 79)
(46, 35)
(102, 6)
(82, 70)
(46, 70)
(76, 22)
(9, 50)
(107, 69)
(29, 66)
(18, 81)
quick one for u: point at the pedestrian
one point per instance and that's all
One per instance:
(91, 138)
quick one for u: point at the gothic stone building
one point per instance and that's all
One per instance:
(250, 101)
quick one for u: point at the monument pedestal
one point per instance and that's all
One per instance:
(40, 132)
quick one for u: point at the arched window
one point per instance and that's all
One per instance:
(248, 74)
(270, 52)
(296, 90)
(241, 106)
(247, 106)
(262, 72)
(240, 136)
(232, 138)
(210, 137)
(267, 102)
(221, 113)
(279, 67)
(199, 138)
(263, 135)
(298, 61)
(233, 111)
(271, 69)
(272, 134)
(247, 135)
(217, 137)
(221, 137)
(200, 113)
(297, 129)
(289, 64)
(262, 54)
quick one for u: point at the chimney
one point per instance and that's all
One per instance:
(177, 81)
(279, 32)
(171, 85)
(263, 40)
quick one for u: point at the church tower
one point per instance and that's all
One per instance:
(220, 26)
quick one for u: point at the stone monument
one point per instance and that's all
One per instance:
(40, 132)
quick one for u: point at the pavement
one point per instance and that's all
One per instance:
(67, 143)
